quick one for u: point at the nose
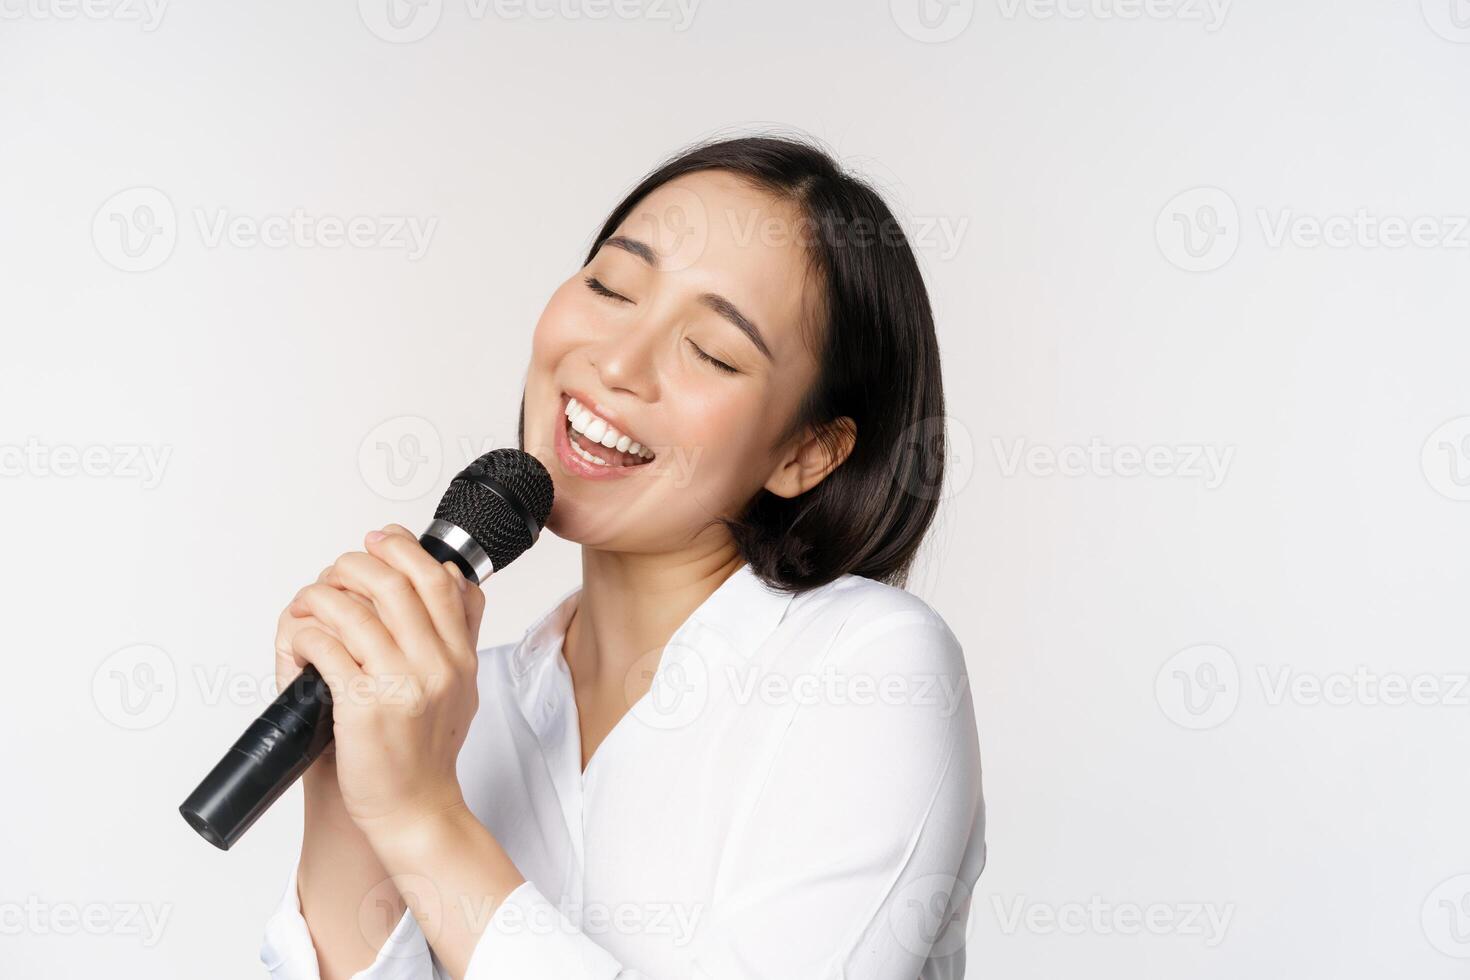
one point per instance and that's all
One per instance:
(627, 359)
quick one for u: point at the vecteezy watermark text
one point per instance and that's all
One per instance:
(1096, 458)
(1210, 13)
(407, 21)
(148, 14)
(1200, 687)
(137, 229)
(1100, 917)
(122, 461)
(35, 916)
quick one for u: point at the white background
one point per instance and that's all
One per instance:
(1053, 145)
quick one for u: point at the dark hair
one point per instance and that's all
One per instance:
(878, 364)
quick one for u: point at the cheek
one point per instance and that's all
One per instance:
(562, 323)
(721, 435)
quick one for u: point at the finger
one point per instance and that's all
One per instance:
(332, 660)
(442, 592)
(474, 607)
(355, 624)
(395, 597)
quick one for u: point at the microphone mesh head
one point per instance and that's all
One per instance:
(486, 516)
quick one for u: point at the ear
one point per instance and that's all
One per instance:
(808, 459)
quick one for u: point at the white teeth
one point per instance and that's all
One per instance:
(598, 430)
(588, 456)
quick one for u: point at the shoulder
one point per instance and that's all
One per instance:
(863, 619)
(884, 660)
(887, 701)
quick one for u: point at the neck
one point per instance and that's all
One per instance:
(631, 604)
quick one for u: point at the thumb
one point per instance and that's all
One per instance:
(474, 612)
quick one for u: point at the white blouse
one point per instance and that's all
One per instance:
(796, 796)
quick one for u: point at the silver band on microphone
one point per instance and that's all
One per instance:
(458, 539)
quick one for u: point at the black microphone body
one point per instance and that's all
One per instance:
(492, 512)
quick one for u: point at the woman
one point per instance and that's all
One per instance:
(739, 748)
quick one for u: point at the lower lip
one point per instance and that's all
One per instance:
(578, 466)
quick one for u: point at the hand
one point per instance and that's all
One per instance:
(394, 633)
(289, 664)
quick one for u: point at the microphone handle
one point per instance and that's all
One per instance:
(277, 748)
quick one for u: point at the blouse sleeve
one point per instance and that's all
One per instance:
(288, 953)
(857, 859)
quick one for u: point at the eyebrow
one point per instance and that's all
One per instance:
(714, 301)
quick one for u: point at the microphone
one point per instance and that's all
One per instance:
(492, 512)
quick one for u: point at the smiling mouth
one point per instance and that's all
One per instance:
(599, 443)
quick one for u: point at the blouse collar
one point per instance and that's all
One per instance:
(743, 612)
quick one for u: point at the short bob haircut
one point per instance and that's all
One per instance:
(878, 364)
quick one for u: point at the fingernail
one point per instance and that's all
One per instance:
(458, 575)
(375, 536)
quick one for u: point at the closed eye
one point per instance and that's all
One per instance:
(595, 284)
(715, 361)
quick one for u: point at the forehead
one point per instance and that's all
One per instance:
(726, 235)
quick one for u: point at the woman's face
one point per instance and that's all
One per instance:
(705, 269)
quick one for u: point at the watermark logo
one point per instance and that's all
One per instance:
(400, 459)
(678, 227)
(135, 230)
(1450, 19)
(1199, 687)
(678, 691)
(1199, 229)
(1445, 459)
(927, 915)
(400, 21)
(378, 913)
(136, 687)
(934, 459)
(932, 21)
(1445, 917)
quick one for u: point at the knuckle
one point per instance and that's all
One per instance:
(311, 637)
(442, 581)
(361, 615)
(395, 581)
(349, 562)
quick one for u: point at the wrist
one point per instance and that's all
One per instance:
(417, 830)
